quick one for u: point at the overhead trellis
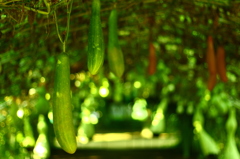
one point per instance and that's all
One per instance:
(28, 36)
(18, 11)
(198, 15)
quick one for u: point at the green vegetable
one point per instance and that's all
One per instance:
(231, 150)
(62, 108)
(115, 55)
(112, 24)
(207, 143)
(29, 140)
(95, 40)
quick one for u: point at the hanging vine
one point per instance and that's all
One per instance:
(63, 39)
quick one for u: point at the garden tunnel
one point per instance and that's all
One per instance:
(160, 95)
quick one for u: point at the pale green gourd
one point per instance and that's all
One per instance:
(95, 40)
(62, 106)
(207, 143)
(42, 147)
(29, 140)
(231, 151)
(115, 55)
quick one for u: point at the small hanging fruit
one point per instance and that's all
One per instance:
(221, 65)
(115, 55)
(95, 40)
(62, 107)
(211, 63)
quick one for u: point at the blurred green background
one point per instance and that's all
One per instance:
(171, 109)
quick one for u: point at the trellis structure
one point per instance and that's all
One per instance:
(28, 29)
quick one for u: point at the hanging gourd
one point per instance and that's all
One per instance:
(152, 56)
(221, 65)
(62, 106)
(152, 59)
(42, 147)
(95, 39)
(231, 150)
(115, 55)
(29, 140)
(158, 123)
(211, 64)
(207, 143)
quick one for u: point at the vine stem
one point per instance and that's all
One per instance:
(64, 46)
(56, 22)
(69, 9)
(63, 41)
(39, 11)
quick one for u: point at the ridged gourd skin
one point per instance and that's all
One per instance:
(62, 108)
(95, 40)
(115, 55)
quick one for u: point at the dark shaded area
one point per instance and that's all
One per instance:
(120, 154)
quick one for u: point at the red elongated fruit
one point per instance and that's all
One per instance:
(212, 80)
(152, 60)
(211, 60)
(211, 63)
(221, 65)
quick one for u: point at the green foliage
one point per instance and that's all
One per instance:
(27, 57)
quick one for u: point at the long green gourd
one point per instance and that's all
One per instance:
(115, 55)
(62, 108)
(95, 40)
(231, 150)
(207, 143)
(29, 140)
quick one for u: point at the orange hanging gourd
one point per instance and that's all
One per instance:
(152, 65)
(221, 65)
(211, 62)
